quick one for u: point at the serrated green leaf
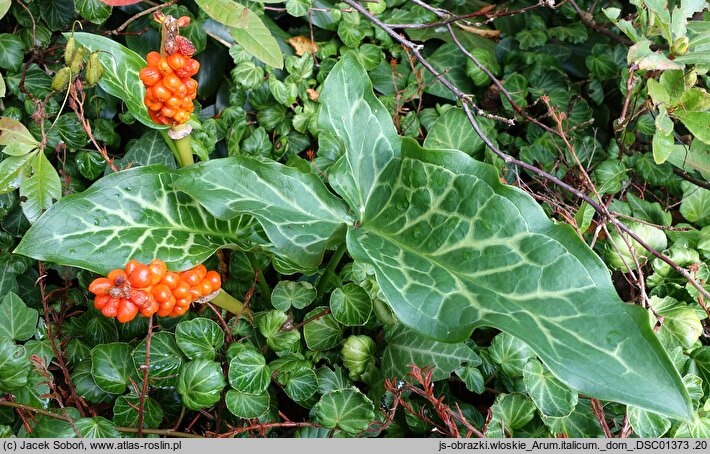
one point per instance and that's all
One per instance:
(330, 380)
(549, 395)
(322, 333)
(248, 372)
(166, 358)
(296, 210)
(40, 189)
(681, 325)
(121, 66)
(17, 321)
(347, 409)
(149, 149)
(405, 347)
(133, 214)
(508, 413)
(581, 423)
(112, 367)
(248, 406)
(351, 305)
(200, 383)
(199, 338)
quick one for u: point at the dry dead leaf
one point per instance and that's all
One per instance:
(301, 45)
(486, 33)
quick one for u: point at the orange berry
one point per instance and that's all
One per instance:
(150, 308)
(172, 82)
(161, 293)
(111, 307)
(100, 286)
(166, 308)
(171, 280)
(178, 310)
(126, 311)
(181, 90)
(183, 21)
(182, 290)
(174, 102)
(176, 61)
(205, 287)
(168, 111)
(118, 277)
(149, 75)
(214, 279)
(201, 270)
(190, 68)
(186, 103)
(155, 106)
(139, 297)
(195, 293)
(164, 67)
(152, 58)
(100, 301)
(157, 118)
(181, 116)
(161, 93)
(140, 277)
(131, 265)
(183, 302)
(158, 270)
(191, 277)
(191, 85)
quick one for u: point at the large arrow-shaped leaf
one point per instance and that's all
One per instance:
(296, 210)
(452, 248)
(133, 214)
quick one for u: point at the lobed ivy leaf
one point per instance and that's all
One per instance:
(17, 321)
(166, 358)
(112, 367)
(550, 396)
(132, 214)
(347, 409)
(301, 384)
(96, 427)
(248, 372)
(14, 365)
(322, 333)
(289, 293)
(125, 412)
(351, 305)
(86, 386)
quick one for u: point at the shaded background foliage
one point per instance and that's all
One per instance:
(596, 98)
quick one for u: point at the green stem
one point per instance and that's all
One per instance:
(171, 144)
(263, 286)
(228, 302)
(184, 149)
(334, 261)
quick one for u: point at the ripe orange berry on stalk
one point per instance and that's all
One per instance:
(151, 289)
(169, 86)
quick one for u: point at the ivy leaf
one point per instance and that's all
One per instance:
(298, 213)
(17, 321)
(200, 383)
(149, 149)
(14, 366)
(57, 15)
(695, 206)
(448, 60)
(247, 406)
(86, 386)
(40, 189)
(166, 358)
(322, 333)
(351, 305)
(509, 412)
(301, 384)
(199, 338)
(133, 214)
(120, 79)
(96, 427)
(646, 424)
(112, 367)
(248, 372)
(347, 409)
(247, 29)
(549, 395)
(125, 412)
(581, 423)
(405, 347)
(290, 293)
(511, 353)
(95, 11)
(681, 325)
(11, 51)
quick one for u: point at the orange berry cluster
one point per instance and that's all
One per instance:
(170, 88)
(151, 289)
